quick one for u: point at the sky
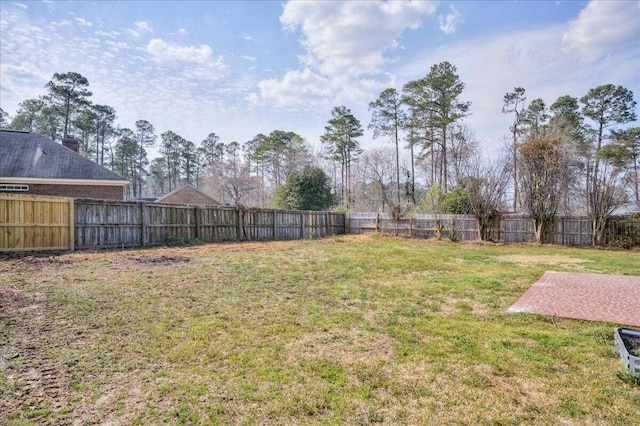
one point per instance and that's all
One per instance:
(242, 68)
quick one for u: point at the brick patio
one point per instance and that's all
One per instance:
(592, 297)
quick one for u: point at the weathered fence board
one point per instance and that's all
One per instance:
(457, 227)
(564, 230)
(135, 224)
(32, 222)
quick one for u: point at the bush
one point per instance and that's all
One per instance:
(307, 189)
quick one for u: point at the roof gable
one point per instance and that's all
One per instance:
(188, 195)
(31, 155)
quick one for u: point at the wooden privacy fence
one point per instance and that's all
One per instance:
(135, 224)
(459, 227)
(564, 230)
(622, 232)
(29, 222)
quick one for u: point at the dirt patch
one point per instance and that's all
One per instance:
(529, 260)
(33, 378)
(35, 263)
(163, 260)
(348, 238)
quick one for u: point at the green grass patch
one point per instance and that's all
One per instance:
(340, 331)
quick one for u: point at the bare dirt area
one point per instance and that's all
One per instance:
(528, 260)
(33, 379)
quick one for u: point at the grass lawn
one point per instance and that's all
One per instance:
(347, 330)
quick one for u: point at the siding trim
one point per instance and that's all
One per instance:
(85, 182)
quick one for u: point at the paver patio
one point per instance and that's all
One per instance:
(592, 297)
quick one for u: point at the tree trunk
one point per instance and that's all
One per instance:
(397, 165)
(444, 160)
(515, 170)
(413, 174)
(636, 174)
(538, 229)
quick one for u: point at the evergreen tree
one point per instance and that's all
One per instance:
(341, 145)
(66, 93)
(307, 189)
(387, 119)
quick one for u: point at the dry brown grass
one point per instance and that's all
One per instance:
(346, 330)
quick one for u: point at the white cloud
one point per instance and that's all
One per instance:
(183, 31)
(160, 50)
(344, 42)
(211, 70)
(142, 26)
(248, 58)
(116, 46)
(63, 23)
(603, 26)
(110, 34)
(492, 66)
(352, 36)
(253, 99)
(449, 24)
(83, 22)
(21, 5)
(245, 37)
(297, 85)
(190, 98)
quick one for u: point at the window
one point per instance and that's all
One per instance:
(14, 188)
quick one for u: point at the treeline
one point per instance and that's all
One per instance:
(233, 172)
(575, 156)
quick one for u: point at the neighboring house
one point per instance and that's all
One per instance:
(626, 209)
(188, 195)
(34, 164)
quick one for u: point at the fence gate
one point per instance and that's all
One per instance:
(34, 222)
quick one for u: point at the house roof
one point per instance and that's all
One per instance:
(188, 194)
(626, 209)
(27, 155)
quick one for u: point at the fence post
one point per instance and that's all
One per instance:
(72, 222)
(326, 224)
(275, 224)
(143, 225)
(239, 236)
(347, 223)
(377, 222)
(411, 226)
(197, 212)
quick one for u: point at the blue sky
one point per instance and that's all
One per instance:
(243, 68)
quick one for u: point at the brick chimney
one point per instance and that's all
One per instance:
(71, 143)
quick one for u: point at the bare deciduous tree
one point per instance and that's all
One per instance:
(541, 164)
(486, 188)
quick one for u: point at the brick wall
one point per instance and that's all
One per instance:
(77, 191)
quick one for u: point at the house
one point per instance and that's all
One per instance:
(627, 209)
(188, 195)
(34, 164)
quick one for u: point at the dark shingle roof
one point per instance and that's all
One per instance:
(30, 155)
